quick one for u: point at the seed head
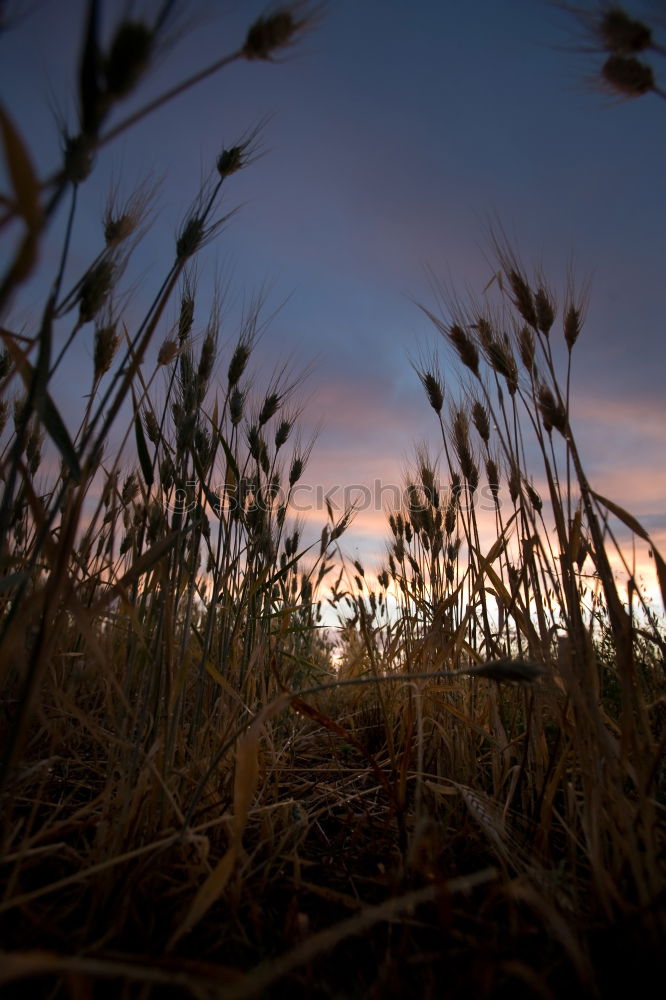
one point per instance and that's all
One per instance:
(621, 34)
(522, 297)
(552, 412)
(465, 347)
(484, 330)
(450, 519)
(515, 482)
(508, 670)
(203, 446)
(78, 159)
(492, 472)
(269, 408)
(156, 523)
(471, 473)
(255, 442)
(167, 473)
(127, 542)
(499, 357)
(296, 471)
(167, 352)
(415, 566)
(95, 289)
(628, 76)
(121, 219)
(428, 481)
(271, 490)
(128, 57)
(106, 345)
(481, 421)
(186, 317)
(526, 347)
(545, 310)
(456, 488)
(584, 551)
(282, 433)
(187, 382)
(130, 489)
(341, 526)
(460, 430)
(535, 499)
(185, 423)
(151, 425)
(190, 238)
(230, 160)
(415, 501)
(33, 450)
(206, 362)
(461, 443)
(238, 363)
(269, 34)
(573, 322)
(118, 228)
(434, 390)
(291, 543)
(236, 401)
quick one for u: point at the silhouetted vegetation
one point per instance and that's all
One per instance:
(204, 791)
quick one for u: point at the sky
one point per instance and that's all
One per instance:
(393, 133)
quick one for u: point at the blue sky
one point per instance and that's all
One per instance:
(396, 130)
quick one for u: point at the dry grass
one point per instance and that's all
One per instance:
(194, 803)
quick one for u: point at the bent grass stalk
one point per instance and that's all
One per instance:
(153, 637)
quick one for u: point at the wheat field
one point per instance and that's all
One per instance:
(207, 790)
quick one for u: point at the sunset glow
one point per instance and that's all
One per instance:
(332, 499)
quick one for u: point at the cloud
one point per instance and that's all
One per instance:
(641, 419)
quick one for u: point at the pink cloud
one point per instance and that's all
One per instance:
(641, 418)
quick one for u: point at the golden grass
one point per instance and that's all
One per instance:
(195, 800)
